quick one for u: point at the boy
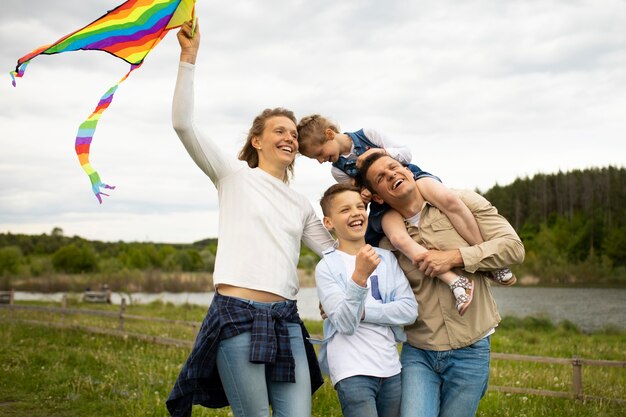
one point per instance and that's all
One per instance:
(366, 298)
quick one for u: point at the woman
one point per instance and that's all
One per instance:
(252, 342)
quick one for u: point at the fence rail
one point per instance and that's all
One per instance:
(577, 391)
(577, 376)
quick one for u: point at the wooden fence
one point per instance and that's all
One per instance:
(577, 391)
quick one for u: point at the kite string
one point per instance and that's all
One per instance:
(85, 135)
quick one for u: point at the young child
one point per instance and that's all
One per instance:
(366, 298)
(320, 139)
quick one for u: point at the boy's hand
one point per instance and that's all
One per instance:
(366, 262)
(322, 312)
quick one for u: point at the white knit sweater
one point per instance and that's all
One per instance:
(261, 222)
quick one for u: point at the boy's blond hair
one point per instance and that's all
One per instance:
(311, 132)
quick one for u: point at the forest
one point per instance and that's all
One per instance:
(573, 226)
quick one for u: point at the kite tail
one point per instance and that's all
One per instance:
(85, 134)
(19, 72)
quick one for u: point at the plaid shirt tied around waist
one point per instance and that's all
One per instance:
(199, 382)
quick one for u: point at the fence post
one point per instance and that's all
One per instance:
(11, 303)
(577, 377)
(122, 311)
(64, 307)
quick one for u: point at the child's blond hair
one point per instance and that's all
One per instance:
(311, 132)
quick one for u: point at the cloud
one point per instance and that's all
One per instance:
(482, 92)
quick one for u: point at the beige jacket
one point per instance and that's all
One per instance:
(439, 326)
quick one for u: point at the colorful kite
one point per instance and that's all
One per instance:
(129, 32)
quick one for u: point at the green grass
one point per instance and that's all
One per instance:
(54, 372)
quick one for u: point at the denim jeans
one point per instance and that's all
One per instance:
(248, 387)
(369, 396)
(446, 384)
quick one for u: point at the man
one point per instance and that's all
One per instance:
(445, 361)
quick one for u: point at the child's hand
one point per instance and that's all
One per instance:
(366, 262)
(366, 196)
(367, 153)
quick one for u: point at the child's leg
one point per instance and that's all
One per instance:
(461, 218)
(357, 395)
(389, 396)
(393, 226)
(465, 224)
(450, 204)
(468, 229)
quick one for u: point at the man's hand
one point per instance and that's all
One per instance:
(366, 262)
(434, 262)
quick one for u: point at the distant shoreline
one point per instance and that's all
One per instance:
(155, 281)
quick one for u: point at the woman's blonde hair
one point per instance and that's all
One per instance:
(311, 132)
(248, 152)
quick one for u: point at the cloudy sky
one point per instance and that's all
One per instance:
(483, 92)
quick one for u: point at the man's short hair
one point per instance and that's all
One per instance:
(361, 178)
(329, 195)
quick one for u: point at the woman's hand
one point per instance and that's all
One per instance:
(189, 43)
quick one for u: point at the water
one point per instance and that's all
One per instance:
(589, 308)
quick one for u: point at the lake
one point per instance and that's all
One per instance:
(589, 308)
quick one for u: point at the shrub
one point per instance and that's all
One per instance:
(74, 259)
(10, 259)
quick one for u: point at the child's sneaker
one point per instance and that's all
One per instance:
(503, 276)
(463, 290)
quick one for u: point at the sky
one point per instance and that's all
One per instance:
(483, 92)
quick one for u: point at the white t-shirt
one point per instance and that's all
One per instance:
(261, 220)
(414, 220)
(371, 350)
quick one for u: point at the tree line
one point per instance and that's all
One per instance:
(33, 256)
(37, 255)
(573, 226)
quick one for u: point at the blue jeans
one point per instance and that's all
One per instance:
(446, 384)
(248, 387)
(369, 396)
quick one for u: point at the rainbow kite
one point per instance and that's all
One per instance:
(129, 32)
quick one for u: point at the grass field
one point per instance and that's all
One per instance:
(62, 373)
